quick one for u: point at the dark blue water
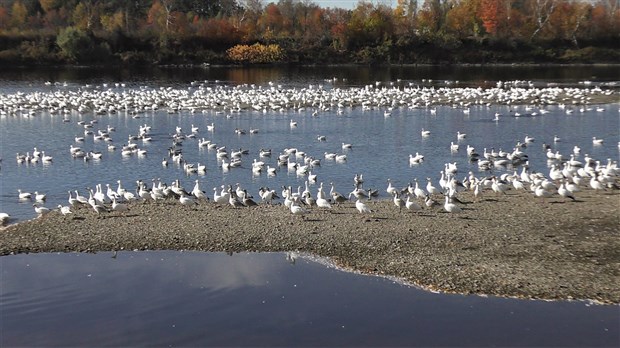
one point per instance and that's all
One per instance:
(212, 299)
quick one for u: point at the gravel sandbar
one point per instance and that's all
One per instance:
(508, 245)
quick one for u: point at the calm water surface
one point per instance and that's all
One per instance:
(197, 299)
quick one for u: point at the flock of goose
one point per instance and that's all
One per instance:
(566, 177)
(202, 96)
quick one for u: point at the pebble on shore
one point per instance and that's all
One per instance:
(507, 245)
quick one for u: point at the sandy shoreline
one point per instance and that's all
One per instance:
(509, 245)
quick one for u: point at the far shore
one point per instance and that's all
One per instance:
(508, 245)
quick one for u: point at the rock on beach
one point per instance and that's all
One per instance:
(507, 245)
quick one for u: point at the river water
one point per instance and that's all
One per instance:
(171, 298)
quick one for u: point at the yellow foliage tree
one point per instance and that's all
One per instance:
(255, 54)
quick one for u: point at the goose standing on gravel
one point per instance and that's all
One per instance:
(562, 191)
(361, 207)
(4, 218)
(398, 201)
(297, 210)
(40, 210)
(186, 200)
(321, 202)
(412, 205)
(391, 190)
(451, 207)
(432, 190)
(65, 210)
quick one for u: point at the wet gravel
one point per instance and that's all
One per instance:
(508, 245)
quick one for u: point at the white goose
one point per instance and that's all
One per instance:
(391, 190)
(40, 210)
(451, 207)
(24, 195)
(4, 218)
(412, 205)
(362, 208)
(399, 201)
(562, 191)
(120, 207)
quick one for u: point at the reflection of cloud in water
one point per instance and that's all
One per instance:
(223, 272)
(214, 271)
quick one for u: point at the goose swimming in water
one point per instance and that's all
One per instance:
(24, 195)
(39, 197)
(413, 160)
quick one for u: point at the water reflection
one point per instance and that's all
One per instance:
(199, 299)
(303, 75)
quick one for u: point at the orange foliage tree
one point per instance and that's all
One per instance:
(491, 13)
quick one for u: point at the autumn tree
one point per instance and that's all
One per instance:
(257, 53)
(85, 14)
(370, 25)
(271, 21)
(566, 21)
(50, 5)
(4, 18)
(491, 13)
(462, 19)
(113, 21)
(19, 13)
(541, 11)
(160, 15)
(247, 18)
(336, 22)
(405, 16)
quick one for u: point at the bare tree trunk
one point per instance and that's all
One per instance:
(542, 12)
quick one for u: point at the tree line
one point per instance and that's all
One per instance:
(301, 32)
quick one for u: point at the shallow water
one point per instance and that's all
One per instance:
(169, 298)
(381, 145)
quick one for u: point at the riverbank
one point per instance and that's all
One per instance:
(510, 245)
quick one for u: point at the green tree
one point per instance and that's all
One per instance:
(75, 44)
